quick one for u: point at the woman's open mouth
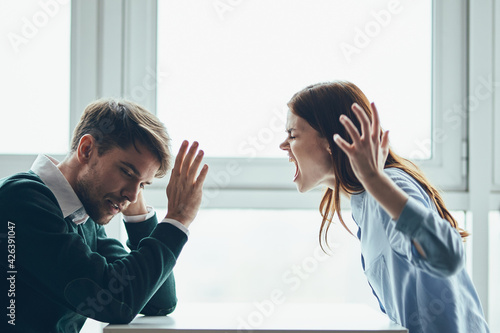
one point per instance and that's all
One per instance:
(291, 159)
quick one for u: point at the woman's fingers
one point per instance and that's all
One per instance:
(344, 145)
(384, 145)
(363, 119)
(375, 123)
(350, 128)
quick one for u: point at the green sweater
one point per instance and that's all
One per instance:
(64, 273)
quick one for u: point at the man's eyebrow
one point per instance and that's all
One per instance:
(289, 130)
(134, 170)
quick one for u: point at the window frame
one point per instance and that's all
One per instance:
(119, 44)
(496, 107)
(259, 180)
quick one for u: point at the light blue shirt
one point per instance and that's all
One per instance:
(426, 295)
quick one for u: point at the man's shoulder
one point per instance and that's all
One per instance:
(22, 186)
(20, 180)
(28, 175)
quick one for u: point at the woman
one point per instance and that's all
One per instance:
(412, 251)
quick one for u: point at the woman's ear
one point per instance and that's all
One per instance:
(327, 146)
(86, 148)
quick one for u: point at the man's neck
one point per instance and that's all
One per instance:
(69, 168)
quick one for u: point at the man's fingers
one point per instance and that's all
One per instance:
(180, 157)
(195, 165)
(201, 177)
(186, 164)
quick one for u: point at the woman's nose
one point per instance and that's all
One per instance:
(284, 145)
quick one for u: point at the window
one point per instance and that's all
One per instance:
(232, 66)
(227, 79)
(243, 255)
(35, 58)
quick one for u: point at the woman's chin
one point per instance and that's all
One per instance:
(302, 188)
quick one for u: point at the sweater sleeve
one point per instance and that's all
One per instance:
(59, 263)
(420, 222)
(164, 300)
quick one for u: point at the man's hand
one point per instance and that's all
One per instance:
(184, 191)
(136, 208)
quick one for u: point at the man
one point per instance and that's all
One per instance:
(61, 267)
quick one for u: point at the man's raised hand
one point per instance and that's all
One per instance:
(184, 191)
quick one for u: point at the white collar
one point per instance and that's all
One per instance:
(46, 168)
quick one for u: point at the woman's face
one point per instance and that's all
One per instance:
(309, 152)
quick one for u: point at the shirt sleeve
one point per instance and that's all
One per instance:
(150, 214)
(420, 222)
(140, 218)
(441, 243)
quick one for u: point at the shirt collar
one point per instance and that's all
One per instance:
(46, 168)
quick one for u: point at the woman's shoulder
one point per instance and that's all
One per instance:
(409, 184)
(402, 178)
(397, 173)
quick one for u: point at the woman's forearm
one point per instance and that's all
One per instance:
(387, 193)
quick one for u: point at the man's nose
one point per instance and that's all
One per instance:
(131, 192)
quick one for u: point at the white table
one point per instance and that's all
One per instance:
(265, 317)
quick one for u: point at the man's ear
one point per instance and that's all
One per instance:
(86, 148)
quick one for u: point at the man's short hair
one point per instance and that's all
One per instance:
(121, 124)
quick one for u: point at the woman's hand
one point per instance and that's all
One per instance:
(368, 152)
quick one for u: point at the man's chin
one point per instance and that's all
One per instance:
(102, 220)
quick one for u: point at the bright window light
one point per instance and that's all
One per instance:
(230, 67)
(35, 57)
(242, 255)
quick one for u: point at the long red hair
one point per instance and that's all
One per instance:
(321, 106)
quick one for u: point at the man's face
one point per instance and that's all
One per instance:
(109, 183)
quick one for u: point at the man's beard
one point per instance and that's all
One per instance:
(88, 197)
